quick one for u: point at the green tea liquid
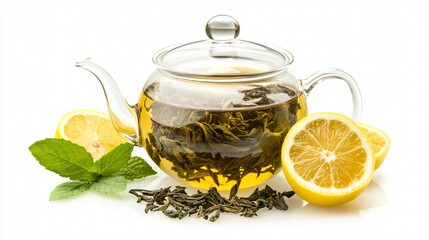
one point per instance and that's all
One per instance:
(205, 148)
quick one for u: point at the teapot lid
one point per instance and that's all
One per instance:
(222, 55)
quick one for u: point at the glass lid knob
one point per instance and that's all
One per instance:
(222, 28)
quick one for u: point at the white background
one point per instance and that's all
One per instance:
(382, 44)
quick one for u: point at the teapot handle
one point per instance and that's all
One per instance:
(323, 75)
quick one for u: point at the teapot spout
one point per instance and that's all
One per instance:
(124, 116)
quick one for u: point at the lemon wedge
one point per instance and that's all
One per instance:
(91, 129)
(326, 159)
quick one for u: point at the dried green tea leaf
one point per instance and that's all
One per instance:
(208, 205)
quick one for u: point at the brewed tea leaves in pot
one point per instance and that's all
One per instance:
(220, 146)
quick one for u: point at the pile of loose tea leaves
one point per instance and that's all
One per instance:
(208, 205)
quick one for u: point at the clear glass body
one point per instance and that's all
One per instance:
(216, 131)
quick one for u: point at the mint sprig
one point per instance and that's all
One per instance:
(108, 175)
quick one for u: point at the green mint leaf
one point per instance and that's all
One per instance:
(115, 159)
(68, 190)
(65, 158)
(136, 168)
(109, 185)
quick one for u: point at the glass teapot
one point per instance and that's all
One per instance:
(215, 112)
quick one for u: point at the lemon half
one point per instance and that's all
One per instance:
(326, 159)
(91, 129)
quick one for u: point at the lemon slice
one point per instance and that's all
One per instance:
(379, 141)
(326, 159)
(91, 129)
